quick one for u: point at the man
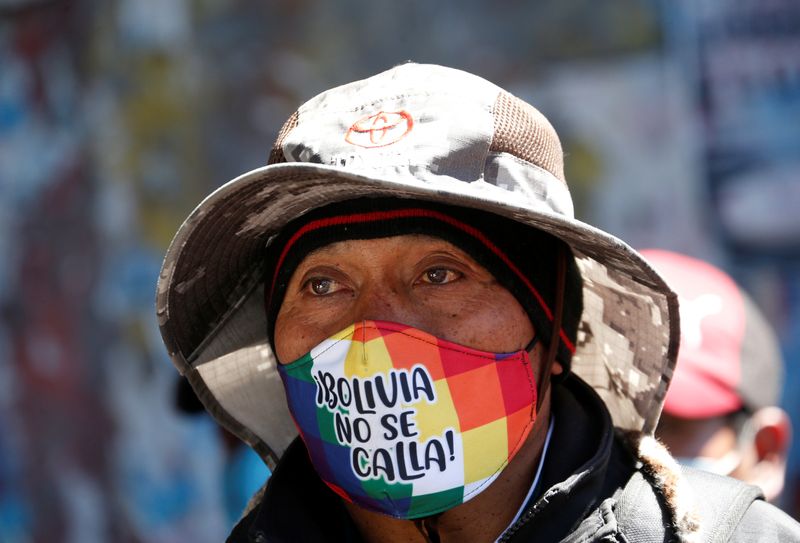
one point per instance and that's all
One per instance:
(404, 285)
(721, 412)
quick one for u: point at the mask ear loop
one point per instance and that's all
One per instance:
(552, 351)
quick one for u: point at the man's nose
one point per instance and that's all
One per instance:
(388, 303)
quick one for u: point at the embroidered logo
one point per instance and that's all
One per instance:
(381, 129)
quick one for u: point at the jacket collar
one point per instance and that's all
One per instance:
(582, 468)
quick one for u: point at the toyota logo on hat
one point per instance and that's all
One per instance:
(380, 129)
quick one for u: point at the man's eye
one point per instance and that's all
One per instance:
(320, 286)
(439, 276)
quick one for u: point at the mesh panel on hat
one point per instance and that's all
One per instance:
(276, 155)
(521, 130)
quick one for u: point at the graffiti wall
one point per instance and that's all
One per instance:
(118, 116)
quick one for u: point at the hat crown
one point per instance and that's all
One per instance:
(430, 123)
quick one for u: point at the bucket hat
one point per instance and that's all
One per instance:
(422, 132)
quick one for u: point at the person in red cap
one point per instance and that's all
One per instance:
(722, 413)
(401, 314)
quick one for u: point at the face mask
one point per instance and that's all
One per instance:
(720, 466)
(403, 423)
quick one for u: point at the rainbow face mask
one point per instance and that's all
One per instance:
(403, 423)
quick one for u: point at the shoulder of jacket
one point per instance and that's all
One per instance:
(722, 502)
(673, 492)
(695, 505)
(763, 522)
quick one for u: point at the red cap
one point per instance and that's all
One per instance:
(729, 357)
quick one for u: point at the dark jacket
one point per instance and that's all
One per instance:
(592, 488)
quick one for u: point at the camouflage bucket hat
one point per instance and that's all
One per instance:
(422, 132)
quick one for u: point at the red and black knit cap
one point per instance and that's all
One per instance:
(523, 260)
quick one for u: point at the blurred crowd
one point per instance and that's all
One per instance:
(680, 125)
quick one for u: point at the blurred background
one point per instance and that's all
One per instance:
(681, 126)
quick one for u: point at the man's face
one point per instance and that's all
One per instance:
(420, 281)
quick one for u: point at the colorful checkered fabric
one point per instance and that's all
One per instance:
(406, 424)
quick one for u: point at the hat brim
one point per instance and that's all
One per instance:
(212, 320)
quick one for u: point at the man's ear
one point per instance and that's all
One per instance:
(557, 369)
(772, 434)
